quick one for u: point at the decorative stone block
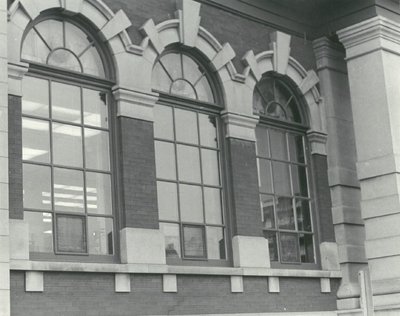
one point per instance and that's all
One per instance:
(325, 285)
(34, 281)
(251, 252)
(189, 21)
(273, 285)
(140, 245)
(73, 5)
(309, 81)
(31, 8)
(329, 256)
(116, 25)
(149, 29)
(281, 47)
(19, 239)
(236, 284)
(4, 276)
(250, 60)
(170, 283)
(122, 283)
(225, 55)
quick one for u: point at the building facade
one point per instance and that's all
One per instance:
(203, 157)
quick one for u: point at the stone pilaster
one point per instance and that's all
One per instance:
(342, 175)
(373, 63)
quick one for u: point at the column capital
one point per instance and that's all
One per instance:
(15, 74)
(317, 142)
(240, 126)
(135, 104)
(374, 34)
(329, 55)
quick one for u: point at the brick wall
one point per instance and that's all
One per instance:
(15, 154)
(137, 171)
(93, 294)
(242, 169)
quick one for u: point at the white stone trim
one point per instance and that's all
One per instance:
(236, 284)
(16, 73)
(34, 281)
(309, 81)
(149, 29)
(74, 6)
(223, 57)
(240, 126)
(317, 142)
(170, 284)
(30, 8)
(116, 25)
(325, 285)
(280, 45)
(273, 285)
(122, 283)
(19, 240)
(189, 16)
(250, 252)
(249, 60)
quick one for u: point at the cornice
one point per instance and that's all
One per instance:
(329, 55)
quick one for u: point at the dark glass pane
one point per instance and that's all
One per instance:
(208, 130)
(95, 109)
(35, 100)
(52, 33)
(92, 63)
(37, 187)
(204, 92)
(212, 203)
(194, 244)
(71, 234)
(266, 89)
(35, 140)
(296, 148)
(278, 144)
(277, 111)
(289, 247)
(264, 176)
(172, 240)
(160, 79)
(34, 49)
(281, 178)
(67, 145)
(210, 167)
(98, 193)
(215, 243)
(97, 150)
(267, 204)
(40, 231)
(165, 160)
(167, 197)
(163, 122)
(306, 248)
(183, 88)
(66, 102)
(284, 213)
(191, 203)
(272, 245)
(65, 59)
(68, 190)
(303, 215)
(188, 163)
(282, 93)
(186, 126)
(299, 176)
(293, 106)
(172, 63)
(100, 236)
(262, 142)
(258, 103)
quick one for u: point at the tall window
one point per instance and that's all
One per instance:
(67, 172)
(283, 169)
(188, 158)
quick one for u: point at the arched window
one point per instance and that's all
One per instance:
(284, 171)
(66, 139)
(188, 157)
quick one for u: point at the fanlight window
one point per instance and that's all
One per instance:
(176, 73)
(62, 44)
(273, 98)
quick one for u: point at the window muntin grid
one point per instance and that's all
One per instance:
(189, 184)
(67, 169)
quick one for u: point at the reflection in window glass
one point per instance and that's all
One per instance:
(95, 110)
(165, 160)
(40, 231)
(213, 207)
(191, 203)
(68, 190)
(100, 236)
(210, 167)
(215, 243)
(208, 131)
(37, 187)
(65, 102)
(64, 59)
(289, 247)
(163, 122)
(98, 193)
(36, 140)
(167, 199)
(36, 97)
(172, 240)
(97, 151)
(188, 163)
(67, 145)
(186, 126)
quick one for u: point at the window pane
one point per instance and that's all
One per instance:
(191, 203)
(278, 144)
(92, 63)
(160, 79)
(264, 176)
(194, 245)
(167, 197)
(296, 148)
(204, 92)
(172, 63)
(71, 234)
(215, 243)
(186, 126)
(163, 122)
(281, 178)
(208, 130)
(183, 88)
(210, 167)
(172, 240)
(67, 145)
(188, 163)
(98, 193)
(100, 236)
(299, 176)
(165, 160)
(75, 39)
(52, 33)
(267, 204)
(34, 49)
(191, 71)
(95, 110)
(273, 246)
(262, 142)
(284, 212)
(306, 248)
(303, 215)
(289, 247)
(68, 190)
(66, 102)
(40, 231)
(65, 59)
(35, 99)
(37, 187)
(35, 140)
(212, 203)
(97, 149)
